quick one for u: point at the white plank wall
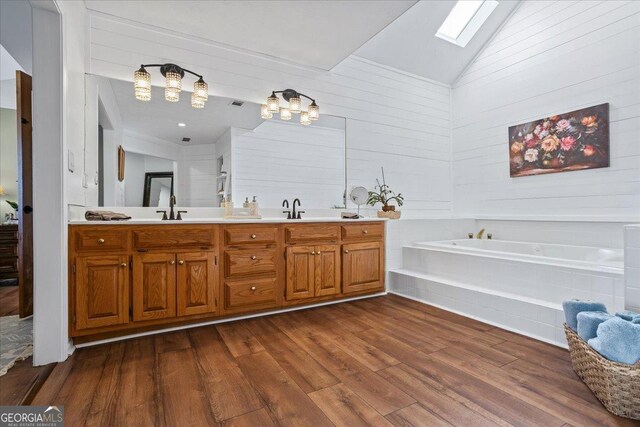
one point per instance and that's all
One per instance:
(394, 120)
(197, 171)
(550, 57)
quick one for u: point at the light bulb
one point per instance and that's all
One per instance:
(285, 113)
(273, 103)
(173, 81)
(294, 104)
(314, 111)
(171, 95)
(142, 84)
(201, 89)
(304, 118)
(196, 101)
(264, 112)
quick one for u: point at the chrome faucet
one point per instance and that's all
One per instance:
(480, 233)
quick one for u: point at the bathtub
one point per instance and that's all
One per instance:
(518, 286)
(597, 259)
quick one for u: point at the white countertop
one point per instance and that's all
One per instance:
(224, 221)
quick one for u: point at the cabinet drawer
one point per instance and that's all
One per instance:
(102, 239)
(9, 251)
(242, 234)
(8, 265)
(250, 293)
(362, 231)
(8, 234)
(167, 236)
(312, 233)
(249, 261)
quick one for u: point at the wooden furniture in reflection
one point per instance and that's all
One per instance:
(8, 251)
(134, 278)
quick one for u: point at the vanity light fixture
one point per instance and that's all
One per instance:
(173, 75)
(294, 98)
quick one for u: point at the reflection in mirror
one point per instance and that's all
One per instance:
(158, 189)
(224, 149)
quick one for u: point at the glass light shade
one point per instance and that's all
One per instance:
(171, 95)
(273, 103)
(285, 113)
(142, 84)
(304, 118)
(264, 112)
(294, 104)
(196, 101)
(201, 89)
(314, 111)
(173, 81)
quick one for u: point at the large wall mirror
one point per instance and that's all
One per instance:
(201, 155)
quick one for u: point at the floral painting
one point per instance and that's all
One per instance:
(564, 142)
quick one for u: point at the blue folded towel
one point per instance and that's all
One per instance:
(636, 319)
(573, 307)
(618, 340)
(588, 322)
(627, 315)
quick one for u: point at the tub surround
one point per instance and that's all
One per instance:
(632, 267)
(133, 277)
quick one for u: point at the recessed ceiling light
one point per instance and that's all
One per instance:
(464, 20)
(182, 124)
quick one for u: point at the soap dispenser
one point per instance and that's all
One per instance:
(254, 207)
(246, 203)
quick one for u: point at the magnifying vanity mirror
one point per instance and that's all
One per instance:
(199, 155)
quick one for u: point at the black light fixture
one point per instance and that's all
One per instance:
(173, 74)
(295, 106)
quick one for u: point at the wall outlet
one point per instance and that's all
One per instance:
(71, 163)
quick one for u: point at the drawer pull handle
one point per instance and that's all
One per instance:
(253, 288)
(181, 262)
(253, 236)
(100, 241)
(365, 231)
(172, 262)
(346, 251)
(124, 264)
(253, 257)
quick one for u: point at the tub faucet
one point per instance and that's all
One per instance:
(480, 233)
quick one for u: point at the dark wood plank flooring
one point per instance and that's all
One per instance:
(381, 361)
(9, 301)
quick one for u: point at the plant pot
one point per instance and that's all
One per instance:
(388, 208)
(389, 214)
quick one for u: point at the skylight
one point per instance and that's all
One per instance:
(464, 20)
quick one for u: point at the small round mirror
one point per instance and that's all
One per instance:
(359, 196)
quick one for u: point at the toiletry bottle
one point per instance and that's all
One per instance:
(246, 203)
(228, 208)
(254, 207)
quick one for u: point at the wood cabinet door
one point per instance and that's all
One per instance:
(102, 291)
(196, 293)
(327, 270)
(154, 286)
(362, 267)
(300, 272)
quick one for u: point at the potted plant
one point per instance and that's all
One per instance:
(14, 205)
(385, 195)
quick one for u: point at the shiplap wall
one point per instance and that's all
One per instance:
(394, 120)
(550, 57)
(282, 160)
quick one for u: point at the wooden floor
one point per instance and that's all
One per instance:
(8, 301)
(380, 361)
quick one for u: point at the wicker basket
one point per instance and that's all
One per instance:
(616, 385)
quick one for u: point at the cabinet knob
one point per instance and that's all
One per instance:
(318, 252)
(313, 252)
(100, 241)
(253, 236)
(365, 231)
(172, 262)
(124, 264)
(346, 251)
(253, 257)
(181, 262)
(253, 288)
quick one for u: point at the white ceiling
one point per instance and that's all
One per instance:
(409, 43)
(160, 118)
(313, 33)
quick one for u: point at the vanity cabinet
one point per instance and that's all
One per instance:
(128, 278)
(102, 291)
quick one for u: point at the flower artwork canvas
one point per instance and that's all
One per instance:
(565, 142)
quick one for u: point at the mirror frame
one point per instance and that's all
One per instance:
(148, 177)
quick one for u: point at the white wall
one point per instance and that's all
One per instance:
(281, 160)
(632, 267)
(550, 57)
(198, 175)
(394, 119)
